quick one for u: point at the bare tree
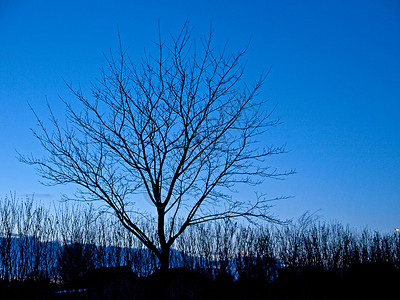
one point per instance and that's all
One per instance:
(180, 126)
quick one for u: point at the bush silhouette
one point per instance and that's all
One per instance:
(73, 262)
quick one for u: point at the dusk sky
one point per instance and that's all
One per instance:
(335, 79)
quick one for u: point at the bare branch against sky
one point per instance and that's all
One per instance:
(180, 126)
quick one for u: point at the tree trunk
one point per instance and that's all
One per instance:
(164, 259)
(164, 255)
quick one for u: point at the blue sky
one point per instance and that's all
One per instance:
(334, 77)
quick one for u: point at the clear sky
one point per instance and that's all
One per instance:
(335, 77)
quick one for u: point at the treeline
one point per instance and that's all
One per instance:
(61, 243)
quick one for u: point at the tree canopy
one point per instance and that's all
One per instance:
(180, 126)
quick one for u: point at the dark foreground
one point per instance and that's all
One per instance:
(372, 281)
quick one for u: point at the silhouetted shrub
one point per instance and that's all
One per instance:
(74, 261)
(43, 248)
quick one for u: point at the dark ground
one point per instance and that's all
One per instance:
(371, 281)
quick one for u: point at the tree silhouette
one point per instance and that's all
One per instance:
(180, 126)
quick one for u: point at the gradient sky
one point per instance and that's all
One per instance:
(335, 77)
